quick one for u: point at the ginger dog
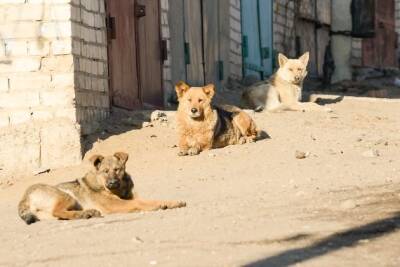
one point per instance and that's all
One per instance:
(106, 189)
(202, 127)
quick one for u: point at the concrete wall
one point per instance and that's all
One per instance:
(53, 70)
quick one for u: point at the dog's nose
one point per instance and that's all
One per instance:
(113, 183)
(194, 110)
(297, 78)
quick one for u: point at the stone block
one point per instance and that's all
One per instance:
(60, 144)
(19, 100)
(29, 81)
(39, 47)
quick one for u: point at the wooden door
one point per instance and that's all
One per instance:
(257, 37)
(380, 51)
(134, 53)
(211, 42)
(150, 58)
(195, 31)
(193, 42)
(122, 54)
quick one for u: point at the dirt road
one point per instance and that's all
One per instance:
(255, 204)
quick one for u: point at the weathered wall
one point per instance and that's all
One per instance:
(53, 80)
(89, 50)
(284, 30)
(342, 44)
(38, 127)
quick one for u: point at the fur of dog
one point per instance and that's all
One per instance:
(202, 126)
(106, 189)
(283, 91)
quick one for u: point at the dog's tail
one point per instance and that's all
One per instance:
(25, 212)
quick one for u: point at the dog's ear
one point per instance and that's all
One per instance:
(122, 156)
(96, 160)
(209, 90)
(282, 59)
(305, 58)
(181, 88)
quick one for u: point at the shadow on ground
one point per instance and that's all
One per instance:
(349, 238)
(120, 121)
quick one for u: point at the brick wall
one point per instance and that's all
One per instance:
(38, 128)
(283, 27)
(89, 50)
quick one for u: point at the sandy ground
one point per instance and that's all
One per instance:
(255, 204)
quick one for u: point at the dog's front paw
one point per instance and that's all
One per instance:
(193, 151)
(242, 140)
(173, 205)
(87, 214)
(251, 139)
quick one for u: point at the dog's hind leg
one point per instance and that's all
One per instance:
(247, 128)
(66, 208)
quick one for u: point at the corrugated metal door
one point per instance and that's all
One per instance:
(257, 37)
(380, 51)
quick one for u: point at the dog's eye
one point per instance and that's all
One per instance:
(190, 100)
(106, 170)
(299, 69)
(200, 100)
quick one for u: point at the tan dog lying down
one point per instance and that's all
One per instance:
(203, 127)
(106, 189)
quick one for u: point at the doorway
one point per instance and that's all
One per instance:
(134, 53)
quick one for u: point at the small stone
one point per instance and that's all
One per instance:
(153, 136)
(212, 155)
(301, 154)
(174, 146)
(137, 239)
(159, 116)
(372, 153)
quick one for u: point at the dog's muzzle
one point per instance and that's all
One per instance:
(194, 113)
(113, 184)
